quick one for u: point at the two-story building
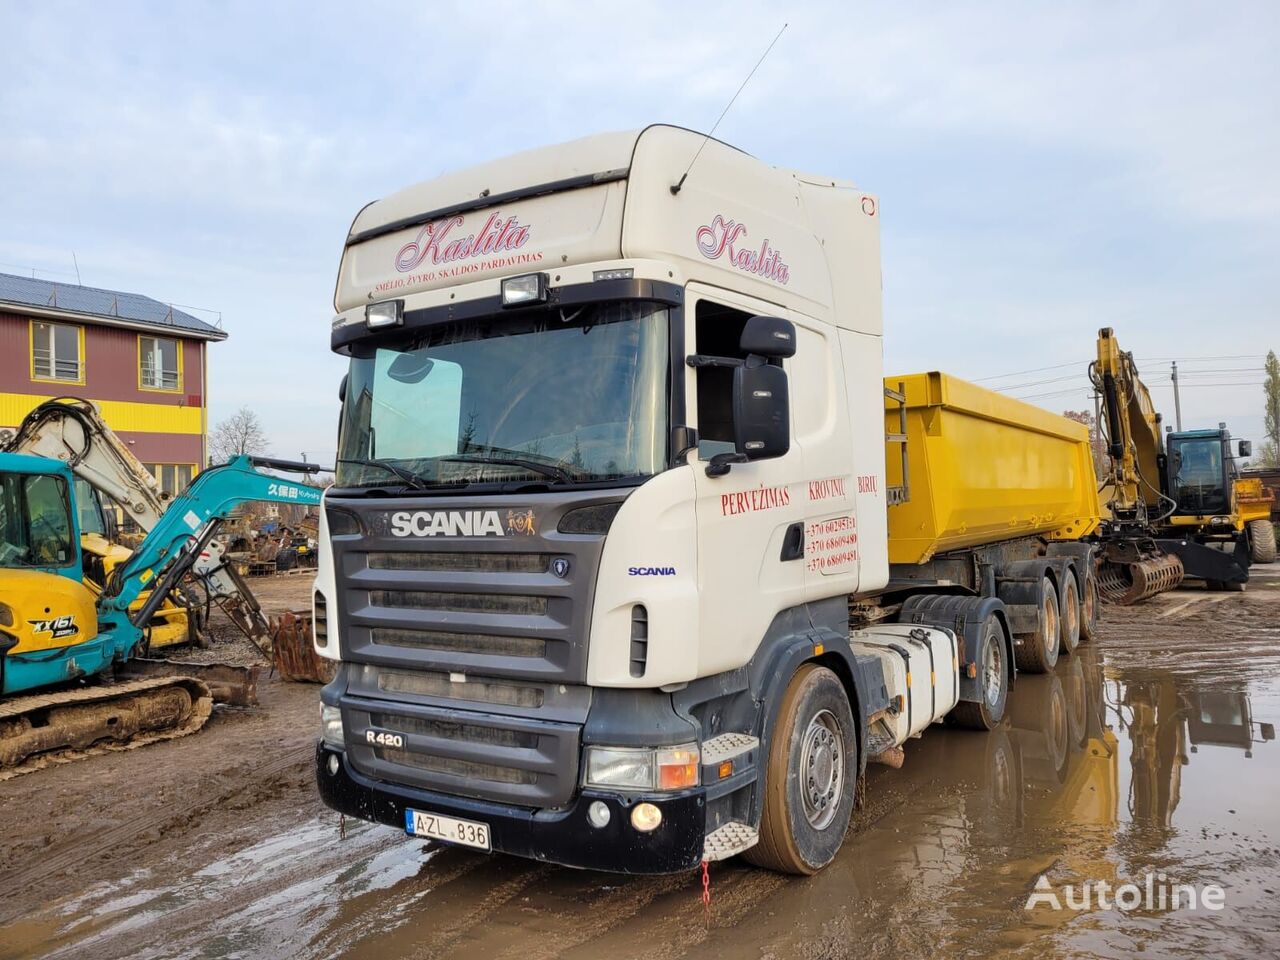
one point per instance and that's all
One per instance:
(144, 363)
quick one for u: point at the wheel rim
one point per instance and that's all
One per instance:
(1052, 629)
(822, 760)
(1071, 617)
(992, 671)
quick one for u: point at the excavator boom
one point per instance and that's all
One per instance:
(1133, 567)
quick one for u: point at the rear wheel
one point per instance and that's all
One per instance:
(993, 681)
(1038, 652)
(810, 777)
(1070, 611)
(1262, 541)
(1089, 606)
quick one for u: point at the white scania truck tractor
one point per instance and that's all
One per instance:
(610, 566)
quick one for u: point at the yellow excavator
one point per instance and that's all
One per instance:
(1174, 505)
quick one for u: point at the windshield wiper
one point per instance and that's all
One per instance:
(408, 476)
(546, 469)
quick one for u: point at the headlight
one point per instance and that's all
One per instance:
(631, 768)
(331, 725)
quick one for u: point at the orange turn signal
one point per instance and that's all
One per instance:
(677, 769)
(726, 769)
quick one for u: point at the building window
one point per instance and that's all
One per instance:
(172, 477)
(57, 351)
(159, 363)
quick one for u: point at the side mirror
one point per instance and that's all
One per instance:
(770, 337)
(1268, 731)
(1246, 448)
(761, 411)
(342, 389)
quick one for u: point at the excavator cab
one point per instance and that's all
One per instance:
(1201, 471)
(38, 530)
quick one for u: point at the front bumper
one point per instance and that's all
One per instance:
(561, 836)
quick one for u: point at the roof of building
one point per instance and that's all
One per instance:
(111, 307)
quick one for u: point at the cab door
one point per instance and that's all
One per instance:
(750, 561)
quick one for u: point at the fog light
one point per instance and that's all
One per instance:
(645, 817)
(334, 763)
(598, 814)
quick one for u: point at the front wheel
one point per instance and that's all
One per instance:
(810, 776)
(1262, 541)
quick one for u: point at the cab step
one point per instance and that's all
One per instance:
(727, 746)
(729, 840)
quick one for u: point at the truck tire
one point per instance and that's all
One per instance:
(1089, 605)
(1071, 615)
(993, 672)
(1038, 652)
(1262, 541)
(810, 776)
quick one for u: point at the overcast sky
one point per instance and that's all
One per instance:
(1044, 169)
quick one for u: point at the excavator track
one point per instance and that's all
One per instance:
(50, 728)
(1128, 582)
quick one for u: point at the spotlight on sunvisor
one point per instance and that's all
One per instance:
(519, 291)
(388, 313)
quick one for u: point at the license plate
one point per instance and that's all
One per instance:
(420, 823)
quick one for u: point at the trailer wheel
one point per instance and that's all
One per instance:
(1038, 652)
(993, 674)
(810, 776)
(1070, 612)
(1262, 541)
(1089, 605)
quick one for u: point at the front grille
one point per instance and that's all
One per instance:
(466, 752)
(442, 686)
(460, 602)
(442, 561)
(454, 730)
(482, 643)
(468, 769)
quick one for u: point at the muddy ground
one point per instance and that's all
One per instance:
(1143, 753)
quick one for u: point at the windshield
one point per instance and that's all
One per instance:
(35, 522)
(1199, 477)
(562, 397)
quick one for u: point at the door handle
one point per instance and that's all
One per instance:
(793, 542)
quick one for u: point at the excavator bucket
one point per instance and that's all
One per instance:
(293, 649)
(1125, 580)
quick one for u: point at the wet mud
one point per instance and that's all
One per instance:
(1147, 752)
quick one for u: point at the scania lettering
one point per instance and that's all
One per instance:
(633, 545)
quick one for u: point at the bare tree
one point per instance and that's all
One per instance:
(1096, 446)
(238, 434)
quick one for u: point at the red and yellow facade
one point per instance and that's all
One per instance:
(162, 418)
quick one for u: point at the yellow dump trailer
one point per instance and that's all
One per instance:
(990, 500)
(982, 468)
